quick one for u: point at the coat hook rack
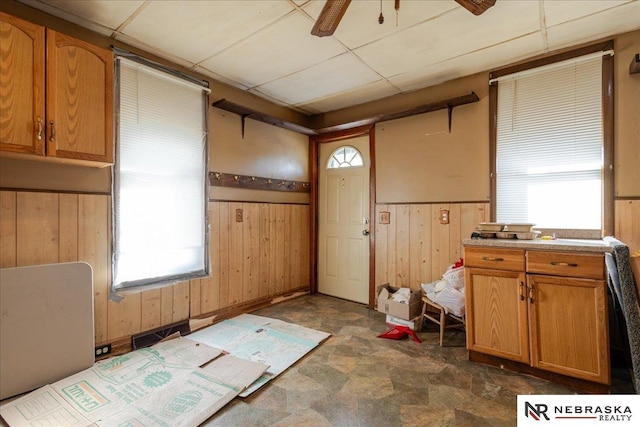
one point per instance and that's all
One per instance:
(220, 179)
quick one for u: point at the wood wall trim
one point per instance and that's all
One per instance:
(214, 200)
(220, 179)
(550, 59)
(608, 143)
(314, 155)
(439, 202)
(33, 190)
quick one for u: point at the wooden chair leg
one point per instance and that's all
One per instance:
(443, 322)
(424, 310)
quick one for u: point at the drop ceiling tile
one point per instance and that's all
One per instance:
(218, 77)
(281, 49)
(337, 74)
(450, 35)
(195, 30)
(360, 95)
(482, 60)
(607, 23)
(102, 16)
(360, 25)
(169, 56)
(557, 12)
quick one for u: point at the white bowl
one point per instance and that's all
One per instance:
(532, 235)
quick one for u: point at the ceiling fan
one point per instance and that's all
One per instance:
(333, 11)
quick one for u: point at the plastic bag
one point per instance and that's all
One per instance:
(402, 295)
(448, 291)
(454, 276)
(452, 300)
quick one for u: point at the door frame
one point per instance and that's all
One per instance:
(314, 171)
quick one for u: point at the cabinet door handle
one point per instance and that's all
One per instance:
(521, 291)
(487, 258)
(530, 294)
(40, 128)
(564, 264)
(52, 135)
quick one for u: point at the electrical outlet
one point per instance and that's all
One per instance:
(385, 217)
(103, 350)
(444, 216)
(238, 215)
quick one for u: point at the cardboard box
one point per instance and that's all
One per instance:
(413, 324)
(397, 309)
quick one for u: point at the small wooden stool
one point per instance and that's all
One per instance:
(430, 309)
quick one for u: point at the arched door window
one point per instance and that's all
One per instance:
(345, 157)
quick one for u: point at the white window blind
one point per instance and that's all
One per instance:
(549, 148)
(160, 178)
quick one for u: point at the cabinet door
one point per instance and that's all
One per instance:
(496, 311)
(21, 86)
(569, 332)
(79, 99)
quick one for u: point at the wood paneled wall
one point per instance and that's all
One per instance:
(627, 223)
(264, 255)
(415, 247)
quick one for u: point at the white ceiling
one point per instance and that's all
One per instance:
(265, 46)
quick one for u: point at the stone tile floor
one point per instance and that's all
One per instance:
(357, 379)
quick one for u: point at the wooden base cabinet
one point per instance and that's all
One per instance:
(551, 314)
(57, 94)
(496, 316)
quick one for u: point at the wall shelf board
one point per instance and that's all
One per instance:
(245, 113)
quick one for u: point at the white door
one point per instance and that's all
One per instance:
(343, 219)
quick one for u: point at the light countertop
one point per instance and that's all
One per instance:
(576, 245)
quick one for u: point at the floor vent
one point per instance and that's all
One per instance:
(148, 338)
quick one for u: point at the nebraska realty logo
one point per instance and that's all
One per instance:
(578, 410)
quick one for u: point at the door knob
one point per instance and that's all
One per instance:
(365, 232)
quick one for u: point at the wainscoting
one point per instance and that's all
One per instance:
(264, 256)
(415, 247)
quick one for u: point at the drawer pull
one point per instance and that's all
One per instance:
(564, 264)
(521, 291)
(487, 258)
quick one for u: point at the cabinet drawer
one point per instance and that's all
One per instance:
(497, 259)
(590, 266)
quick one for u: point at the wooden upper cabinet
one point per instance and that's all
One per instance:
(56, 94)
(79, 99)
(22, 79)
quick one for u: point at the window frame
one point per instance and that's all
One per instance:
(167, 280)
(607, 124)
(357, 154)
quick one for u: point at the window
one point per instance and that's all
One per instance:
(345, 157)
(550, 144)
(160, 223)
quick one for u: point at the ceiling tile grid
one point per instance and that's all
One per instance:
(265, 46)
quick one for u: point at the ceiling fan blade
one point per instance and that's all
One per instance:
(330, 17)
(477, 7)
